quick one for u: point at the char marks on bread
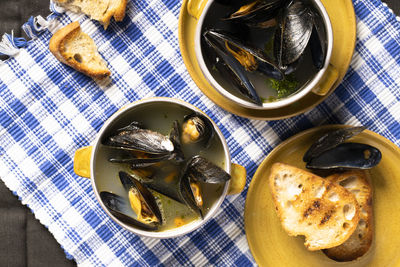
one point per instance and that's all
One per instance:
(324, 212)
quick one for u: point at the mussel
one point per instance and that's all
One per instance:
(164, 179)
(331, 140)
(141, 202)
(293, 35)
(297, 26)
(136, 138)
(139, 159)
(258, 12)
(197, 128)
(142, 147)
(199, 170)
(330, 152)
(347, 156)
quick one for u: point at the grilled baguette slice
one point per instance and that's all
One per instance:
(357, 182)
(324, 212)
(100, 10)
(76, 49)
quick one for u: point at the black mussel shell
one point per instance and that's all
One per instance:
(116, 205)
(147, 196)
(318, 51)
(139, 139)
(175, 138)
(232, 70)
(293, 33)
(331, 140)
(187, 195)
(203, 126)
(159, 185)
(260, 55)
(347, 156)
(137, 160)
(205, 171)
(255, 13)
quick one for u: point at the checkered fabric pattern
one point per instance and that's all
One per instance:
(48, 110)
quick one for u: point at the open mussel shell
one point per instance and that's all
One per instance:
(205, 171)
(145, 194)
(347, 156)
(158, 184)
(231, 69)
(197, 128)
(331, 140)
(188, 195)
(293, 33)
(118, 207)
(136, 138)
(255, 13)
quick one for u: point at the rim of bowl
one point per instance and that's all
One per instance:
(175, 232)
(305, 89)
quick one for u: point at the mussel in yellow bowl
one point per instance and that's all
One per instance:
(160, 167)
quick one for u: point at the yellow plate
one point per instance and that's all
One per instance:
(269, 243)
(341, 13)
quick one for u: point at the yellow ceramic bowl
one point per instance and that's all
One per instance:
(270, 244)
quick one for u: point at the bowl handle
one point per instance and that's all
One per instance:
(238, 179)
(328, 80)
(195, 7)
(82, 161)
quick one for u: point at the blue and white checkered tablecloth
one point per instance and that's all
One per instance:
(48, 110)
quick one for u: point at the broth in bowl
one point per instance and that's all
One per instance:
(264, 57)
(116, 175)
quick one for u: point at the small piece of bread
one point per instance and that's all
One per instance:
(324, 212)
(76, 49)
(357, 182)
(100, 10)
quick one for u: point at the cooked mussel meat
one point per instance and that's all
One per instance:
(164, 179)
(347, 156)
(258, 12)
(198, 170)
(135, 137)
(249, 56)
(141, 200)
(191, 194)
(120, 208)
(197, 128)
(232, 69)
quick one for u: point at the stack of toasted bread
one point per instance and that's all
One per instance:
(334, 213)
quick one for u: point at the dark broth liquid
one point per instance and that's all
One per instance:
(159, 117)
(261, 38)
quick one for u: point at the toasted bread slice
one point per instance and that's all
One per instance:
(100, 10)
(324, 212)
(357, 182)
(76, 49)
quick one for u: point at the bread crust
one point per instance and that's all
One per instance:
(57, 47)
(306, 207)
(360, 241)
(118, 12)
